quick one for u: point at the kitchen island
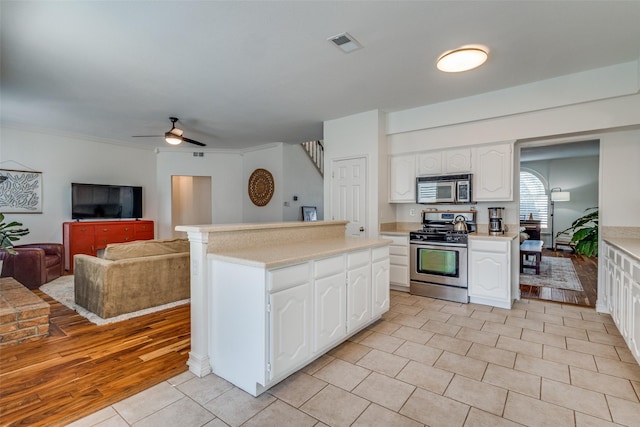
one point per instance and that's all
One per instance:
(267, 299)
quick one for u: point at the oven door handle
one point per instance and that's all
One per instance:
(421, 244)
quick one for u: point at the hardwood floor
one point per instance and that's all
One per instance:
(587, 269)
(81, 368)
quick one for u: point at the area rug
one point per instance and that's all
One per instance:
(61, 290)
(554, 273)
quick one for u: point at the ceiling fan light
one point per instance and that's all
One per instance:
(462, 59)
(172, 139)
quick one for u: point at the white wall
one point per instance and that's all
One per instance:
(301, 179)
(225, 170)
(66, 159)
(270, 158)
(359, 135)
(620, 179)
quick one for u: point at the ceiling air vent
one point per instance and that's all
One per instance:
(345, 42)
(198, 154)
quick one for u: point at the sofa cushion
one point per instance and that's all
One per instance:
(145, 248)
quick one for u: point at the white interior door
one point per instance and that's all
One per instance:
(348, 192)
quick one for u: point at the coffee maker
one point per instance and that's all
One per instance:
(496, 225)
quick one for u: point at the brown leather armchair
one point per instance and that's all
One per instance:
(35, 264)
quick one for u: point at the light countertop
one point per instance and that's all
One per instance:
(293, 253)
(507, 235)
(213, 228)
(629, 245)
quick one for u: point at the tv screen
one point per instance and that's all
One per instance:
(105, 201)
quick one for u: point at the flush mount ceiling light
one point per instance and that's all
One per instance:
(462, 59)
(345, 42)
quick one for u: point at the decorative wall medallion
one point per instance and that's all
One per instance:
(261, 187)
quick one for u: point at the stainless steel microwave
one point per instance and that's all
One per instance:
(444, 189)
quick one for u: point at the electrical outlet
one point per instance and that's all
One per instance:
(286, 204)
(412, 212)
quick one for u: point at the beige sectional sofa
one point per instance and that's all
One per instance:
(133, 276)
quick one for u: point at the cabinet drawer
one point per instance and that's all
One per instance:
(113, 229)
(399, 274)
(489, 246)
(399, 250)
(397, 240)
(328, 266)
(102, 241)
(357, 259)
(379, 253)
(148, 235)
(80, 231)
(288, 277)
(398, 260)
(143, 227)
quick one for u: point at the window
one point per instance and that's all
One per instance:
(533, 198)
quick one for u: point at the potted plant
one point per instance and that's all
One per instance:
(585, 233)
(9, 233)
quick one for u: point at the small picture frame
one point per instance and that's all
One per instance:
(309, 213)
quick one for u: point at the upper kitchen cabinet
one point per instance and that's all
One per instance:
(402, 179)
(444, 162)
(457, 161)
(493, 173)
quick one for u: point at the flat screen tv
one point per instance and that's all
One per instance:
(89, 201)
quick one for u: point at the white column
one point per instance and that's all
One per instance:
(199, 362)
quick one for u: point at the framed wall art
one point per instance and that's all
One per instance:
(20, 191)
(261, 187)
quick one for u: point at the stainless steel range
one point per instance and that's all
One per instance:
(438, 255)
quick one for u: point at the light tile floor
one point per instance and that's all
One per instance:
(427, 362)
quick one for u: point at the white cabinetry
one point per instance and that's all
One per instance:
(457, 161)
(330, 300)
(267, 323)
(358, 290)
(622, 293)
(444, 162)
(402, 179)
(398, 261)
(490, 271)
(380, 281)
(493, 173)
(429, 163)
(290, 317)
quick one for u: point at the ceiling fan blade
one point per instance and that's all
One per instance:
(146, 136)
(191, 141)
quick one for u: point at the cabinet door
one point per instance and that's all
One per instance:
(489, 271)
(330, 299)
(457, 161)
(402, 179)
(634, 316)
(290, 320)
(625, 297)
(358, 297)
(380, 284)
(429, 163)
(493, 173)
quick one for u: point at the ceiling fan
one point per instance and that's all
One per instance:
(174, 135)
